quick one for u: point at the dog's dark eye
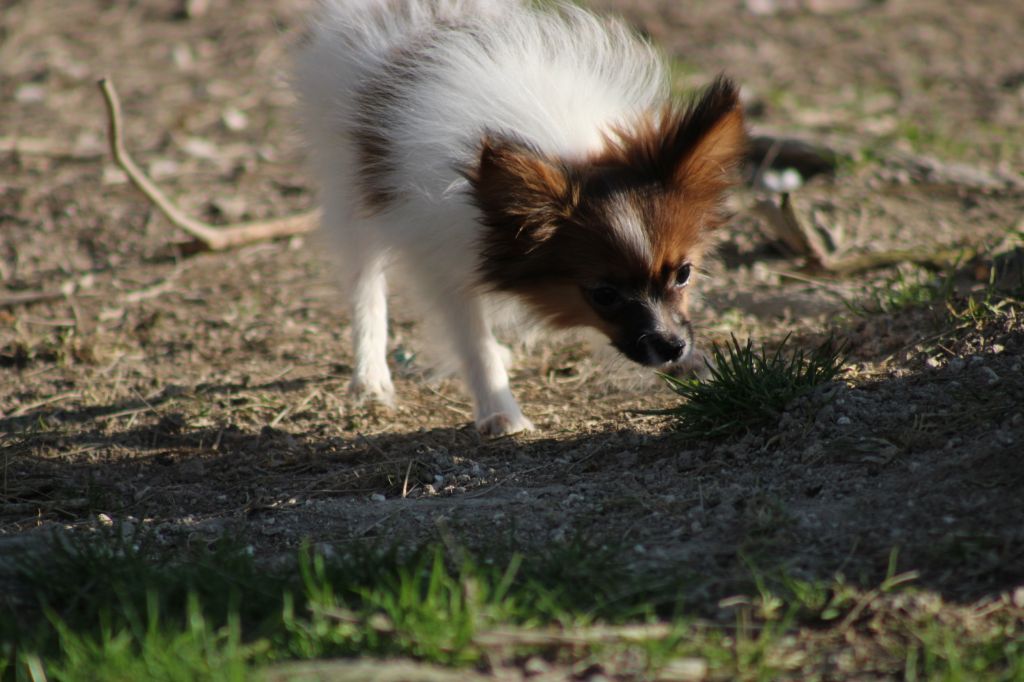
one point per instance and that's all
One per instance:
(604, 296)
(683, 275)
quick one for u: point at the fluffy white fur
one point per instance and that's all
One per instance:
(558, 79)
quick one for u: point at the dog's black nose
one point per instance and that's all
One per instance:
(665, 349)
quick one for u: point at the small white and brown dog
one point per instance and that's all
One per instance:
(488, 149)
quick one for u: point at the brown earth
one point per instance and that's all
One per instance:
(205, 395)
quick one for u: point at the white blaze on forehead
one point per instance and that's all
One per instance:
(627, 222)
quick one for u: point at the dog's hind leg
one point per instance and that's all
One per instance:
(371, 379)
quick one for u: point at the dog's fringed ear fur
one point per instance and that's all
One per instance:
(520, 192)
(715, 123)
(694, 148)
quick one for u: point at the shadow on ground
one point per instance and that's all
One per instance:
(840, 484)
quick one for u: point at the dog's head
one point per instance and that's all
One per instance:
(614, 241)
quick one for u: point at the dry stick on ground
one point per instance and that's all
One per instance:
(793, 233)
(32, 146)
(15, 298)
(502, 637)
(11, 299)
(804, 241)
(816, 155)
(209, 236)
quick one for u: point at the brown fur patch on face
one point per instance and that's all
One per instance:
(518, 188)
(691, 155)
(525, 199)
(561, 304)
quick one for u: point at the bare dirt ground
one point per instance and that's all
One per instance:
(205, 395)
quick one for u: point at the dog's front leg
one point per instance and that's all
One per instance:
(495, 410)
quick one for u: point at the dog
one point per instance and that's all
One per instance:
(489, 150)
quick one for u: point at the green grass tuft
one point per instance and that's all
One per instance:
(748, 389)
(117, 606)
(903, 291)
(110, 607)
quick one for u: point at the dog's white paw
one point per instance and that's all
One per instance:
(503, 424)
(372, 389)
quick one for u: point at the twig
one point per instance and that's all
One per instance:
(373, 446)
(288, 408)
(869, 597)
(209, 236)
(862, 262)
(25, 409)
(803, 240)
(33, 146)
(75, 503)
(16, 298)
(503, 637)
(405, 483)
(152, 291)
(812, 156)
(798, 238)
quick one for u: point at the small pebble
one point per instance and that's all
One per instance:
(162, 169)
(194, 9)
(684, 669)
(786, 180)
(235, 119)
(991, 378)
(182, 56)
(200, 148)
(113, 176)
(29, 93)
(535, 665)
(377, 497)
(844, 421)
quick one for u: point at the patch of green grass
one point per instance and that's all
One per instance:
(146, 647)
(902, 291)
(954, 301)
(931, 139)
(991, 303)
(110, 607)
(748, 389)
(113, 606)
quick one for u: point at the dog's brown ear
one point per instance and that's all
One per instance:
(695, 148)
(717, 139)
(520, 192)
